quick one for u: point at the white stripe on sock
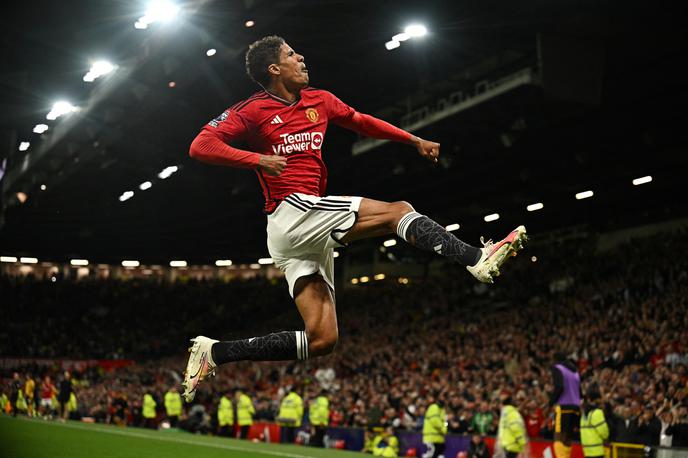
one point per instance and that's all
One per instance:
(305, 345)
(298, 345)
(404, 223)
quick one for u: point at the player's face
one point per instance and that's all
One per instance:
(292, 67)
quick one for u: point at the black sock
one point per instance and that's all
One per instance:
(279, 346)
(422, 232)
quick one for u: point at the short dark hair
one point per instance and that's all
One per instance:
(260, 55)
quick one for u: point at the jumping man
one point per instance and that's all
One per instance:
(284, 126)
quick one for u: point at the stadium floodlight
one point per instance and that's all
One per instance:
(43, 187)
(60, 108)
(379, 276)
(158, 11)
(126, 195)
(145, 185)
(642, 180)
(453, 227)
(392, 44)
(535, 207)
(364, 279)
(491, 217)
(79, 262)
(390, 242)
(28, 260)
(8, 259)
(265, 261)
(584, 195)
(401, 37)
(211, 52)
(98, 69)
(40, 128)
(223, 262)
(23, 146)
(250, 23)
(130, 263)
(354, 281)
(178, 264)
(167, 172)
(335, 254)
(416, 30)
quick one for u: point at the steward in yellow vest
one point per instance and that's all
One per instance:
(173, 406)
(148, 410)
(290, 415)
(594, 430)
(245, 412)
(319, 414)
(386, 444)
(435, 428)
(72, 404)
(4, 402)
(225, 416)
(511, 435)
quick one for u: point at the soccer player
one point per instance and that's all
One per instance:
(29, 391)
(48, 391)
(284, 127)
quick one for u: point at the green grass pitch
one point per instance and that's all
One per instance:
(25, 438)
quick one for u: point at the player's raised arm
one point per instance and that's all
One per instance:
(370, 126)
(211, 146)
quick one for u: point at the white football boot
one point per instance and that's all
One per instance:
(200, 365)
(495, 254)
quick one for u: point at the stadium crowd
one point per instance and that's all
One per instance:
(621, 316)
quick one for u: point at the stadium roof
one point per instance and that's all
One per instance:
(605, 105)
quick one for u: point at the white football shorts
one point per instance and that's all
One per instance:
(303, 232)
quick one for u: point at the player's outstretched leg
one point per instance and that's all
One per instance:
(483, 263)
(379, 218)
(315, 303)
(206, 354)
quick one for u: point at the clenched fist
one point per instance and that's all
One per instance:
(427, 149)
(272, 165)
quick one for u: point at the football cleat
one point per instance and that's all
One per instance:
(199, 367)
(495, 254)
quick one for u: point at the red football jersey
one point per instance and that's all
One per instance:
(271, 125)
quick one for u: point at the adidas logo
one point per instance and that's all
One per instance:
(276, 120)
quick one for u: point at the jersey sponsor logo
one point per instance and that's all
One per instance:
(312, 114)
(276, 120)
(303, 141)
(219, 119)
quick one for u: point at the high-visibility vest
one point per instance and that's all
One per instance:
(512, 430)
(173, 404)
(245, 410)
(387, 447)
(21, 402)
(149, 406)
(593, 432)
(435, 424)
(320, 411)
(225, 413)
(291, 410)
(72, 404)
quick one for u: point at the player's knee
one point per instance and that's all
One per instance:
(322, 343)
(397, 211)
